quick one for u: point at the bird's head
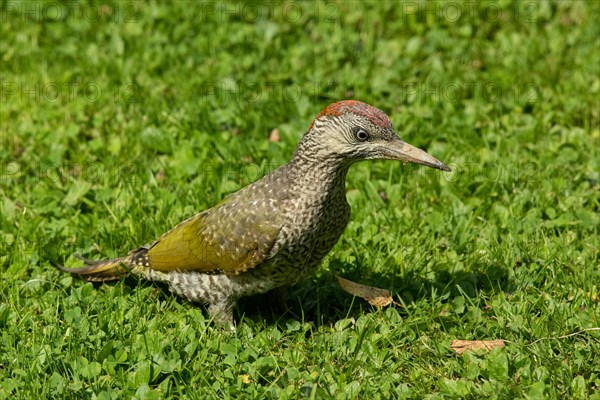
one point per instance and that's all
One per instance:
(352, 131)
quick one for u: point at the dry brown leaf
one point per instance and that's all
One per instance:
(375, 296)
(274, 136)
(460, 346)
(160, 175)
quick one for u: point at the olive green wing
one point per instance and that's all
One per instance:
(231, 238)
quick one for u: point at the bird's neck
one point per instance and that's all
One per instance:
(318, 174)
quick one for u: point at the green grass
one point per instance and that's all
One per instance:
(121, 119)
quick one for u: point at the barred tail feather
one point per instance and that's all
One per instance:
(100, 271)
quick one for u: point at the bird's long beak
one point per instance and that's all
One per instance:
(399, 150)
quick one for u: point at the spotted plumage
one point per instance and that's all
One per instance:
(275, 231)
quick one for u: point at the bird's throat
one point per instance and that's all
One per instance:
(323, 179)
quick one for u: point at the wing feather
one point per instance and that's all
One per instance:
(231, 238)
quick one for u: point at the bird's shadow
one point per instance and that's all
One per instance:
(322, 301)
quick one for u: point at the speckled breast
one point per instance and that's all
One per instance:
(308, 238)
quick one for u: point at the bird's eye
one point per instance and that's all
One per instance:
(360, 134)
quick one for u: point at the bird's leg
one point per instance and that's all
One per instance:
(279, 298)
(221, 312)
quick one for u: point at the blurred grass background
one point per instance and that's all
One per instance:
(120, 119)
